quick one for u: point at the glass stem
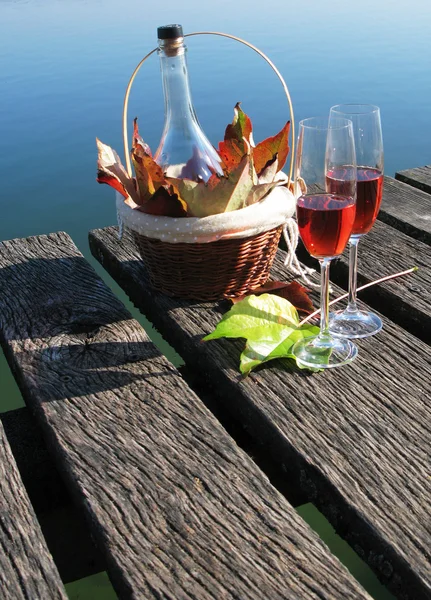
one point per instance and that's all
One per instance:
(324, 297)
(353, 276)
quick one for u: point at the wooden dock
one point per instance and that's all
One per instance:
(176, 508)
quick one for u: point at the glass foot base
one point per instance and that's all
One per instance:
(324, 352)
(358, 324)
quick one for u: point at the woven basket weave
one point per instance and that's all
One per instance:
(209, 271)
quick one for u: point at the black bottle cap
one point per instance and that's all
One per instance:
(169, 32)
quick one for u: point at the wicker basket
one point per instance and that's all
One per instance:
(209, 271)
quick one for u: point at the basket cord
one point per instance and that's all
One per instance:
(291, 237)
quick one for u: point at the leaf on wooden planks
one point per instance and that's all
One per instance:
(294, 292)
(270, 325)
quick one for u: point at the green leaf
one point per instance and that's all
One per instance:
(252, 355)
(269, 323)
(293, 291)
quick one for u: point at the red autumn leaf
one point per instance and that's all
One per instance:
(111, 171)
(149, 175)
(112, 181)
(267, 150)
(238, 139)
(231, 153)
(240, 127)
(137, 141)
(164, 203)
(150, 178)
(270, 170)
(293, 291)
(242, 184)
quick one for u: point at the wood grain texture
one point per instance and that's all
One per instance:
(407, 208)
(178, 510)
(419, 178)
(357, 439)
(27, 570)
(385, 251)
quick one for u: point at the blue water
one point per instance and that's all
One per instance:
(64, 67)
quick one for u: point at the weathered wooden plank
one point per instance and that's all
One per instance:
(385, 251)
(178, 510)
(356, 439)
(419, 178)
(63, 525)
(37, 470)
(406, 208)
(27, 570)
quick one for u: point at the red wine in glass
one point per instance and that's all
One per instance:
(325, 223)
(369, 195)
(354, 322)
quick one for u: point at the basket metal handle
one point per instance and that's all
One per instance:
(226, 35)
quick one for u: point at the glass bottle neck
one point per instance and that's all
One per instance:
(178, 102)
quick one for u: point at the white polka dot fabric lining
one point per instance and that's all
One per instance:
(274, 210)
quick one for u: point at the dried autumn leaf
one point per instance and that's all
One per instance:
(164, 203)
(266, 151)
(151, 181)
(293, 291)
(231, 152)
(241, 185)
(269, 172)
(238, 139)
(149, 175)
(241, 127)
(296, 294)
(219, 194)
(111, 171)
(137, 141)
(258, 192)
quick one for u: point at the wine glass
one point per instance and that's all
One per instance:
(352, 322)
(325, 221)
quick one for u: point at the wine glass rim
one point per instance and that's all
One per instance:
(323, 123)
(354, 109)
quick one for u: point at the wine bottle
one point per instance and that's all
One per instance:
(184, 150)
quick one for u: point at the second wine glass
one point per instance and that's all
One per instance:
(353, 322)
(325, 222)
